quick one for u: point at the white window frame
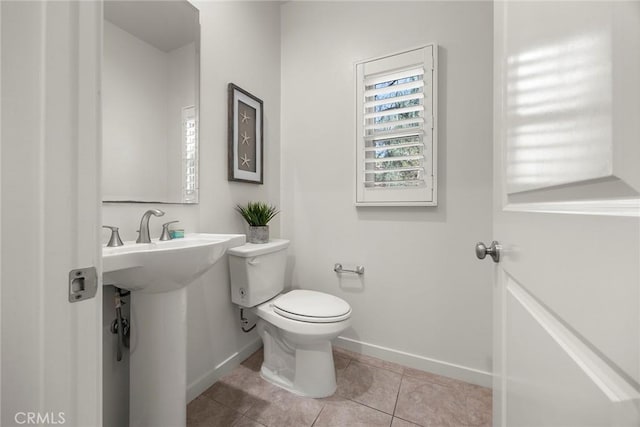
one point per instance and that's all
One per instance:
(425, 56)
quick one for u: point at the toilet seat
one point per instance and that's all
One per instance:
(311, 306)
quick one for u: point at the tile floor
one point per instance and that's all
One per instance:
(371, 392)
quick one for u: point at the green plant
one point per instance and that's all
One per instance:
(257, 214)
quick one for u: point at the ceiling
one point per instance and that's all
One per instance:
(167, 25)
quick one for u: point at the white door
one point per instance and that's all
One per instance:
(567, 213)
(51, 348)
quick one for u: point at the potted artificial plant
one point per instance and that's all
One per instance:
(257, 215)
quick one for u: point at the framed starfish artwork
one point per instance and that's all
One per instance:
(245, 132)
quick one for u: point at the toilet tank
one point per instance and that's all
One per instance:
(257, 271)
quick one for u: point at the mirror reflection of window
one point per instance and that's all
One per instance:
(189, 156)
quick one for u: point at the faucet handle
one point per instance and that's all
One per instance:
(165, 230)
(114, 240)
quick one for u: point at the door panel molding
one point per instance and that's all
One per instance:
(544, 384)
(606, 196)
(615, 386)
(620, 207)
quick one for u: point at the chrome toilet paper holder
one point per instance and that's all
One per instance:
(359, 270)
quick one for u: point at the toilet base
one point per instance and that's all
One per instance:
(297, 363)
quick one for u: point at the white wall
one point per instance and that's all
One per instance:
(423, 293)
(182, 75)
(135, 78)
(251, 59)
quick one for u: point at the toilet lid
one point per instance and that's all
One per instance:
(311, 306)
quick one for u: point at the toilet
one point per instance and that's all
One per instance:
(296, 327)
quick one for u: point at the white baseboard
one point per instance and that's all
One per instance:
(197, 387)
(463, 373)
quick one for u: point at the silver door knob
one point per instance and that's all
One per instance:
(493, 251)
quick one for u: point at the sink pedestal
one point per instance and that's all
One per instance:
(157, 274)
(158, 359)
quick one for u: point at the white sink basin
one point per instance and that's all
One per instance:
(165, 266)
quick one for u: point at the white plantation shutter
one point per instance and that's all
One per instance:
(189, 155)
(395, 130)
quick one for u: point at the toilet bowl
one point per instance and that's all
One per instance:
(297, 353)
(296, 327)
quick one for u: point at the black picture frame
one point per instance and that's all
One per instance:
(245, 136)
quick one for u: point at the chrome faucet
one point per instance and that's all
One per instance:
(143, 233)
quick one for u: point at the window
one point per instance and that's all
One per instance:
(189, 156)
(396, 135)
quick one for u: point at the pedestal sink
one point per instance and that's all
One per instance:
(157, 274)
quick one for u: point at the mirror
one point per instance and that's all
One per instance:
(150, 93)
